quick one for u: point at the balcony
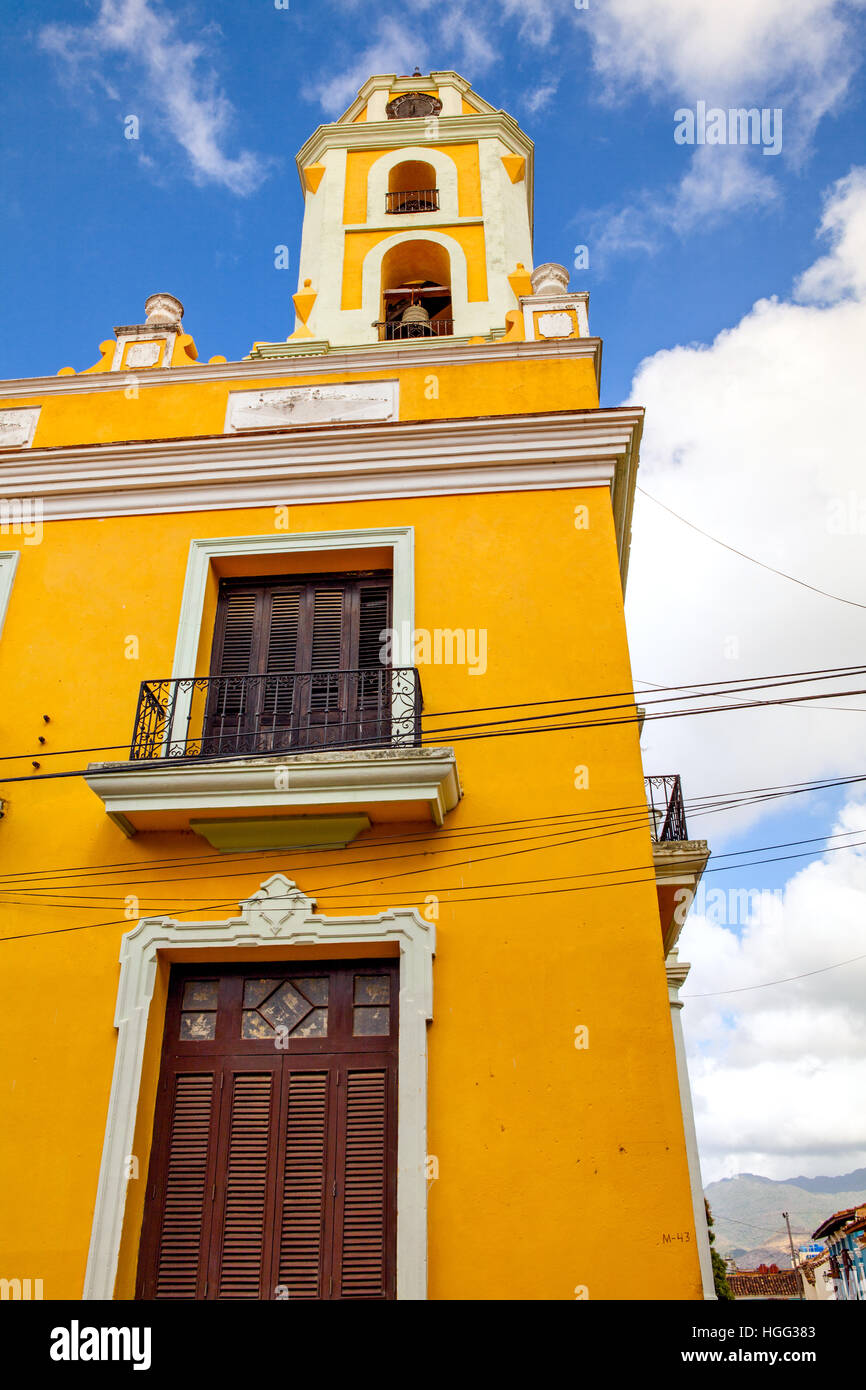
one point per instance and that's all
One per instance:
(414, 200)
(231, 716)
(678, 861)
(304, 760)
(667, 811)
(395, 329)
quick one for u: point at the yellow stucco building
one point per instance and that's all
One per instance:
(338, 952)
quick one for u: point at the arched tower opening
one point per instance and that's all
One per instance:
(416, 291)
(412, 188)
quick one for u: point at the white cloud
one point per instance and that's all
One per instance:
(461, 30)
(395, 48)
(841, 273)
(799, 56)
(540, 98)
(462, 35)
(173, 87)
(719, 181)
(756, 439)
(777, 1073)
(752, 51)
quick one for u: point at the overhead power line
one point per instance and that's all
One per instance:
(712, 689)
(751, 558)
(625, 815)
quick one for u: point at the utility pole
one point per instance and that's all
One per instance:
(794, 1264)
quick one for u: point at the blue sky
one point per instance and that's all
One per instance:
(727, 284)
(94, 222)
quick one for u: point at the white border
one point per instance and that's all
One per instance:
(445, 170)
(401, 540)
(288, 917)
(8, 565)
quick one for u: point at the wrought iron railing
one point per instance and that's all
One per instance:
(415, 200)
(218, 716)
(436, 328)
(667, 812)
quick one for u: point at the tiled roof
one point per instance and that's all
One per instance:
(839, 1218)
(785, 1283)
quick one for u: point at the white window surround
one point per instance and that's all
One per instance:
(446, 182)
(277, 913)
(202, 553)
(8, 565)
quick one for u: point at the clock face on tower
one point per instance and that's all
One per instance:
(413, 104)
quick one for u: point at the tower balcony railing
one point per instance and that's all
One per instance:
(436, 328)
(666, 808)
(414, 200)
(251, 716)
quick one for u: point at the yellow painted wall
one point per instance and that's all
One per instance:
(550, 1157)
(181, 408)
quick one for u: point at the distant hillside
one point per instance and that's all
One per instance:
(747, 1211)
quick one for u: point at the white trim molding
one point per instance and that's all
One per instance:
(340, 463)
(202, 553)
(677, 972)
(414, 782)
(8, 565)
(277, 914)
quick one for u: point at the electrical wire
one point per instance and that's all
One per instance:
(751, 558)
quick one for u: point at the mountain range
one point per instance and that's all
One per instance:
(747, 1211)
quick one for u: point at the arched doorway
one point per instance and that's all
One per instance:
(416, 291)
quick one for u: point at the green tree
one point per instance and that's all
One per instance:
(720, 1276)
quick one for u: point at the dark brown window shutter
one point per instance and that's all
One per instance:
(183, 1243)
(237, 634)
(362, 1255)
(244, 1252)
(303, 1216)
(373, 620)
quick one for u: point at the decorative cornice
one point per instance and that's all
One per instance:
(451, 130)
(315, 359)
(333, 463)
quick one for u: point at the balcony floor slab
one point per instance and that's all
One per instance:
(402, 784)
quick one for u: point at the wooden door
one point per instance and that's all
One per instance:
(273, 1167)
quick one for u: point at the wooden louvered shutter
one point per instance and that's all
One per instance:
(374, 685)
(240, 1244)
(361, 1247)
(327, 653)
(304, 1217)
(373, 621)
(281, 659)
(181, 1229)
(231, 699)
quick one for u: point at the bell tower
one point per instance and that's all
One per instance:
(418, 217)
